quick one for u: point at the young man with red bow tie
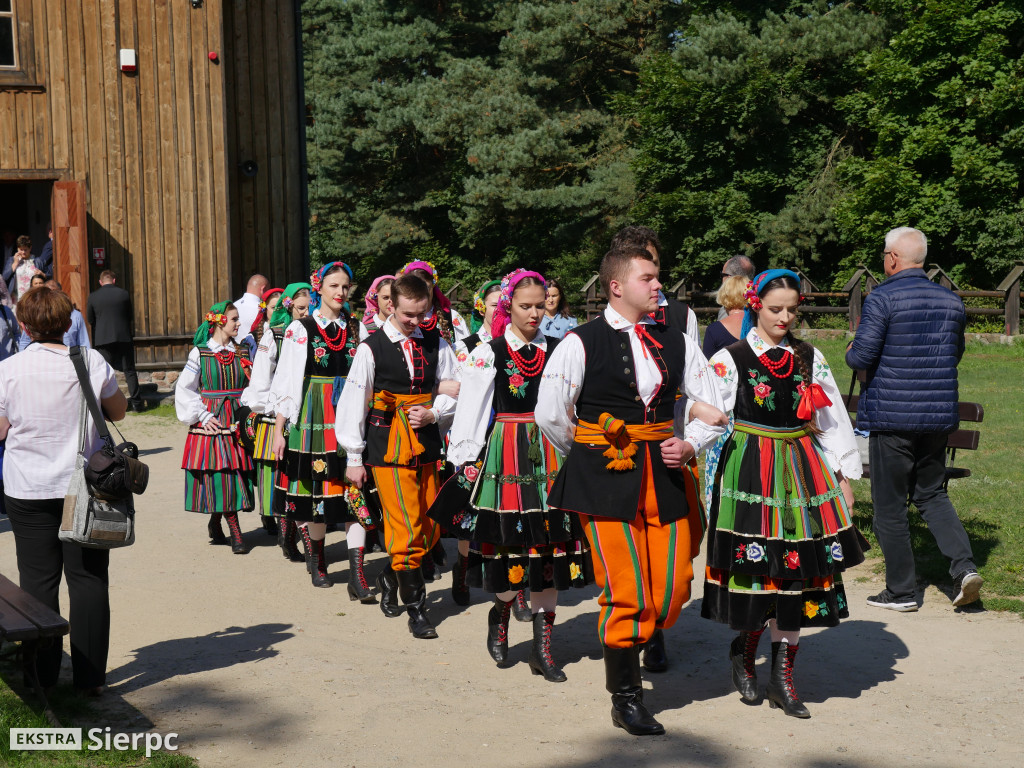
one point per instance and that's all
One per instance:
(387, 420)
(610, 401)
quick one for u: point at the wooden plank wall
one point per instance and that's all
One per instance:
(159, 150)
(267, 217)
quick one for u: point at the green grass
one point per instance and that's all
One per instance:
(987, 502)
(19, 708)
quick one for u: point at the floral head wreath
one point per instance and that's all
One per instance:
(317, 278)
(440, 299)
(753, 295)
(502, 313)
(476, 320)
(216, 315)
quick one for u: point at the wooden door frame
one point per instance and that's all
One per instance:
(69, 218)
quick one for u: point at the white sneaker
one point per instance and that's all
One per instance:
(968, 586)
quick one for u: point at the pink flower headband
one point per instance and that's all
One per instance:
(439, 298)
(502, 313)
(371, 307)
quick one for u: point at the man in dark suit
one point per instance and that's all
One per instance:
(110, 315)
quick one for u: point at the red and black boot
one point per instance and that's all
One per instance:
(742, 655)
(358, 589)
(460, 590)
(497, 631)
(316, 563)
(541, 661)
(214, 530)
(781, 691)
(287, 532)
(237, 545)
(521, 608)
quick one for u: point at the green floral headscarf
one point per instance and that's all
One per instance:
(283, 311)
(476, 320)
(214, 317)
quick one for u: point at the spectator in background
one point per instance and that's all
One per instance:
(18, 274)
(910, 341)
(732, 296)
(10, 332)
(38, 279)
(45, 259)
(737, 266)
(39, 402)
(75, 336)
(109, 312)
(249, 305)
(556, 322)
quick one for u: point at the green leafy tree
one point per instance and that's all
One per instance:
(738, 134)
(943, 105)
(477, 134)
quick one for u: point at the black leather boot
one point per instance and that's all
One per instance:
(439, 556)
(655, 658)
(387, 583)
(622, 678)
(413, 592)
(541, 661)
(358, 589)
(287, 532)
(497, 631)
(742, 654)
(781, 692)
(269, 524)
(521, 608)
(237, 545)
(316, 563)
(215, 531)
(428, 569)
(460, 592)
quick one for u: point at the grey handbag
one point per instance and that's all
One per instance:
(90, 521)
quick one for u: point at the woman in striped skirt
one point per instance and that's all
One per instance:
(781, 530)
(517, 542)
(218, 473)
(311, 489)
(293, 304)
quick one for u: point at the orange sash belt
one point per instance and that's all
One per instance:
(403, 445)
(621, 438)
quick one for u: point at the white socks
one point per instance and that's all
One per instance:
(544, 601)
(355, 535)
(788, 636)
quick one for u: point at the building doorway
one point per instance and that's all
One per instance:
(25, 210)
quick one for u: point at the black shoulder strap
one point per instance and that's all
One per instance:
(78, 359)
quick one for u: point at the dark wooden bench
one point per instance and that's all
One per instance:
(962, 439)
(25, 619)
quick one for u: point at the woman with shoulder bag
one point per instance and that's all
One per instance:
(40, 396)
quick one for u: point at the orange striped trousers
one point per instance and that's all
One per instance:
(406, 494)
(643, 566)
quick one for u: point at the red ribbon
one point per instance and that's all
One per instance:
(643, 335)
(813, 398)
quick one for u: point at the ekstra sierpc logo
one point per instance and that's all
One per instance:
(70, 739)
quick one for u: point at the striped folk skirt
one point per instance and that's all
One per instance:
(310, 483)
(218, 472)
(780, 533)
(500, 506)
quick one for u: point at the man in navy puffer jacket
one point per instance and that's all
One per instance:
(910, 341)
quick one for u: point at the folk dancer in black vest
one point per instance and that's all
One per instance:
(669, 311)
(781, 530)
(310, 487)
(484, 303)
(257, 430)
(387, 419)
(609, 400)
(517, 540)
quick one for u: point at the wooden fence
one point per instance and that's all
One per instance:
(848, 301)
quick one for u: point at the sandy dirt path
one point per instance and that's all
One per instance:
(251, 665)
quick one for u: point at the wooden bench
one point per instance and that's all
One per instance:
(25, 619)
(962, 439)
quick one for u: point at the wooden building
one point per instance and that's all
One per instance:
(185, 174)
